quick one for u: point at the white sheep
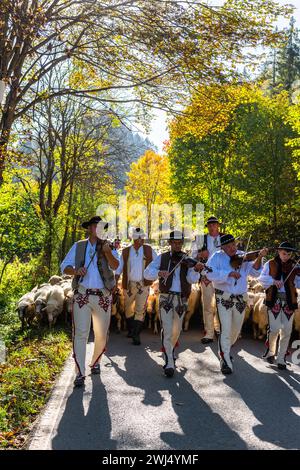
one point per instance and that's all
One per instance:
(151, 306)
(193, 301)
(41, 298)
(26, 309)
(55, 280)
(68, 305)
(260, 317)
(54, 305)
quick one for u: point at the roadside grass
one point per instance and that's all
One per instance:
(33, 360)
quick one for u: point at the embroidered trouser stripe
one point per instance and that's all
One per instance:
(73, 336)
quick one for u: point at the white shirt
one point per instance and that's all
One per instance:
(92, 279)
(151, 273)
(135, 264)
(267, 280)
(212, 243)
(220, 264)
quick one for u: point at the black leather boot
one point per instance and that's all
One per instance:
(130, 326)
(138, 326)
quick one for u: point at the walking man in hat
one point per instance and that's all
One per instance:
(280, 277)
(210, 244)
(231, 294)
(91, 262)
(175, 279)
(134, 260)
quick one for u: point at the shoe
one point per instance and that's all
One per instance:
(95, 370)
(270, 359)
(169, 371)
(206, 340)
(130, 326)
(138, 326)
(79, 380)
(281, 366)
(225, 369)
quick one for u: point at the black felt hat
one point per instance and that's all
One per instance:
(94, 220)
(286, 246)
(212, 220)
(225, 239)
(176, 235)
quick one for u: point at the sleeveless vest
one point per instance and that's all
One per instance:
(105, 271)
(290, 289)
(166, 264)
(204, 246)
(147, 260)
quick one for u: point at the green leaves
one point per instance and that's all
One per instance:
(237, 162)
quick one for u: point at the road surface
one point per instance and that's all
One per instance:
(132, 405)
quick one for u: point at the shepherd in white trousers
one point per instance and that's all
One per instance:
(280, 277)
(231, 294)
(91, 262)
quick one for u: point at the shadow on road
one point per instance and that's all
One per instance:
(91, 431)
(201, 427)
(269, 397)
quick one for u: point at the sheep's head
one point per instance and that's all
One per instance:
(52, 311)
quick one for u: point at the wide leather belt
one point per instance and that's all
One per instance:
(281, 295)
(94, 292)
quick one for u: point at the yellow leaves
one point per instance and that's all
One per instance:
(212, 109)
(149, 180)
(84, 76)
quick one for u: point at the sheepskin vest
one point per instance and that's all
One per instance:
(167, 264)
(147, 260)
(105, 271)
(278, 270)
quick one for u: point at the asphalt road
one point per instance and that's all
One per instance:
(132, 405)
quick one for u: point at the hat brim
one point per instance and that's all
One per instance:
(88, 223)
(227, 243)
(213, 222)
(292, 250)
(141, 236)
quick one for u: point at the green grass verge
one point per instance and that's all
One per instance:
(34, 358)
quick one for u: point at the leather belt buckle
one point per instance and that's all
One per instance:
(93, 292)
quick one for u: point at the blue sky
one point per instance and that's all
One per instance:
(159, 132)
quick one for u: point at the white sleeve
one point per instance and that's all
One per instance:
(254, 272)
(119, 269)
(154, 254)
(218, 273)
(151, 272)
(192, 276)
(69, 259)
(265, 279)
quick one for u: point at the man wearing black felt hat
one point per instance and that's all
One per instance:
(175, 279)
(231, 287)
(92, 264)
(280, 277)
(210, 243)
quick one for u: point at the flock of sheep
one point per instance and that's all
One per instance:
(256, 311)
(47, 302)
